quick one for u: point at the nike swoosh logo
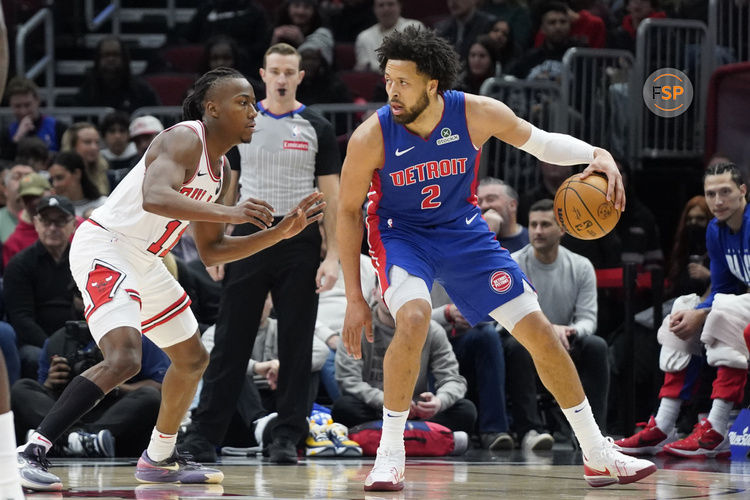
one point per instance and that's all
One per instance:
(202, 173)
(399, 153)
(394, 416)
(469, 220)
(579, 410)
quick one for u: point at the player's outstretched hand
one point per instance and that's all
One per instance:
(256, 212)
(604, 163)
(358, 315)
(309, 210)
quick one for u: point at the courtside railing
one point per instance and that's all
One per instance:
(729, 29)
(682, 45)
(540, 103)
(596, 85)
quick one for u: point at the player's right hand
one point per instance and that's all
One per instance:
(358, 316)
(256, 212)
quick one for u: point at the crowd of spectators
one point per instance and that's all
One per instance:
(54, 173)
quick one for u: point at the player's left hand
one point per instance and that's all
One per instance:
(328, 273)
(604, 163)
(428, 405)
(309, 210)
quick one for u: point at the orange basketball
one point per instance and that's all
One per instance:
(582, 209)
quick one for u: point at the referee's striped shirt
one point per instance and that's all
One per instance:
(285, 156)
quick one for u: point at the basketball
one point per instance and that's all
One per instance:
(582, 209)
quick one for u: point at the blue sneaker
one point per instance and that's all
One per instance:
(32, 467)
(175, 469)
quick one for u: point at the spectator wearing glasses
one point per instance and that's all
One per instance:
(37, 285)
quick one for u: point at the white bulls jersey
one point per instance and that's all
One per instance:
(123, 211)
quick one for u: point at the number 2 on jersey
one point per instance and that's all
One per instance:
(432, 191)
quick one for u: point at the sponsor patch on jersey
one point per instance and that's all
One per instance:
(446, 136)
(298, 145)
(501, 281)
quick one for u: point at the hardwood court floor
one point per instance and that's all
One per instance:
(554, 475)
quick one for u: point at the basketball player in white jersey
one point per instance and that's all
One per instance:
(10, 486)
(127, 291)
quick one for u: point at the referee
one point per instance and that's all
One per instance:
(293, 150)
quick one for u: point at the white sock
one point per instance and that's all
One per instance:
(582, 421)
(37, 438)
(161, 445)
(719, 415)
(393, 429)
(666, 415)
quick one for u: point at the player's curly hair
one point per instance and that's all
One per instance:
(192, 106)
(433, 55)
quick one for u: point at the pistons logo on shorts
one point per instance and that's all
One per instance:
(501, 281)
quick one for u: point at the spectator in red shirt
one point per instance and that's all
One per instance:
(638, 10)
(31, 188)
(585, 28)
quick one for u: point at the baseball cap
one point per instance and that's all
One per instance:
(145, 124)
(33, 184)
(56, 201)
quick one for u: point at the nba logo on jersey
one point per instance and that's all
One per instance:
(501, 281)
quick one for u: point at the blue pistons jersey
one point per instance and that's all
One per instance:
(427, 181)
(423, 216)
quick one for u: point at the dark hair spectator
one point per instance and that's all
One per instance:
(480, 65)
(119, 151)
(516, 13)
(34, 152)
(110, 82)
(243, 20)
(502, 32)
(689, 248)
(299, 21)
(70, 179)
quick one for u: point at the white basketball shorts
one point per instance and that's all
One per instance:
(123, 286)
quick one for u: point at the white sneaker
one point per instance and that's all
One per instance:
(460, 443)
(607, 465)
(533, 441)
(388, 472)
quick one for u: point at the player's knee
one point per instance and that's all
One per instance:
(125, 362)
(413, 318)
(194, 362)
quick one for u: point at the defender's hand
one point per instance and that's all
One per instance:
(309, 210)
(256, 212)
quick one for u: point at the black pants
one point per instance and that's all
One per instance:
(129, 417)
(590, 356)
(351, 411)
(288, 271)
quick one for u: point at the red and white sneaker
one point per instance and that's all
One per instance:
(648, 441)
(388, 472)
(704, 441)
(607, 465)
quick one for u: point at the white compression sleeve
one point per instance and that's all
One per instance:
(558, 149)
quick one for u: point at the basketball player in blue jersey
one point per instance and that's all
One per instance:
(416, 161)
(115, 259)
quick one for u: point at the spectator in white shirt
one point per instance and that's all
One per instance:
(388, 14)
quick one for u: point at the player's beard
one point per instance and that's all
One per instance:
(411, 114)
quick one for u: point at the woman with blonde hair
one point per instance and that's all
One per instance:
(84, 139)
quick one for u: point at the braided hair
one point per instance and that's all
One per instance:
(192, 106)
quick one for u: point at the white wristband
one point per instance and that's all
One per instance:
(559, 149)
